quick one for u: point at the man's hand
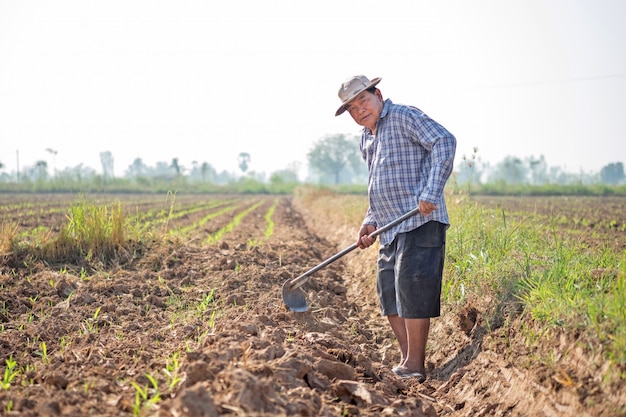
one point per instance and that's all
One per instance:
(426, 208)
(364, 240)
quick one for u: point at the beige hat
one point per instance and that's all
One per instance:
(351, 88)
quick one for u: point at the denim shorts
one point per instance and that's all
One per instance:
(410, 270)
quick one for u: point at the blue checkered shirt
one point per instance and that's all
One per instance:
(409, 159)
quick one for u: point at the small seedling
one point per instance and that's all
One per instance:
(171, 371)
(142, 395)
(43, 353)
(212, 320)
(9, 373)
(97, 312)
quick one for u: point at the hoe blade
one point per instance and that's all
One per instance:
(294, 298)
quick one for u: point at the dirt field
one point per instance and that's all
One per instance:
(184, 328)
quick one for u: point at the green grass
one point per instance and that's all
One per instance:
(562, 284)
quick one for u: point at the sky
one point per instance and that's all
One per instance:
(206, 80)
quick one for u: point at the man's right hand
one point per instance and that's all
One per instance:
(365, 240)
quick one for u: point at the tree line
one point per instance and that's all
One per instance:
(332, 160)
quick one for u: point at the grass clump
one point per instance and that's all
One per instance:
(92, 232)
(8, 236)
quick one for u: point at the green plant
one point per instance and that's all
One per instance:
(145, 396)
(269, 230)
(43, 353)
(9, 373)
(206, 301)
(172, 366)
(212, 319)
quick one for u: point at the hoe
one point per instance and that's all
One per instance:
(294, 297)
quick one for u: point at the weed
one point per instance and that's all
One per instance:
(144, 396)
(172, 366)
(9, 373)
(43, 353)
(212, 320)
(206, 301)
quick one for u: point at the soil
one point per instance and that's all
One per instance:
(179, 327)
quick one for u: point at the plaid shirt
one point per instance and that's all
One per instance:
(409, 159)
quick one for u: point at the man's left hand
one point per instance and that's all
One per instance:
(426, 208)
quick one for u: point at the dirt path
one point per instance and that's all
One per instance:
(202, 331)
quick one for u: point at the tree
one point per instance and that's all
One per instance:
(54, 166)
(243, 160)
(288, 175)
(207, 170)
(510, 171)
(538, 170)
(334, 155)
(612, 173)
(175, 166)
(106, 159)
(42, 170)
(137, 169)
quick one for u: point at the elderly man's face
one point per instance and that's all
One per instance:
(366, 107)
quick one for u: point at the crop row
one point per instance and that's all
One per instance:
(87, 226)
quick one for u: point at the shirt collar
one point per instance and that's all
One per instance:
(386, 105)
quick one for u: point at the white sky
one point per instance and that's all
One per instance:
(206, 80)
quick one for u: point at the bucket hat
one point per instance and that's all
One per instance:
(351, 88)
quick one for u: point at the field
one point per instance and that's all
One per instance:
(179, 312)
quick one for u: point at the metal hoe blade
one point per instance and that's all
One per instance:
(295, 298)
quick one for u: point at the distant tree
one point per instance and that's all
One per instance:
(207, 171)
(1, 165)
(54, 154)
(137, 169)
(78, 173)
(612, 173)
(42, 170)
(243, 160)
(336, 155)
(288, 175)
(106, 159)
(175, 166)
(163, 170)
(510, 171)
(538, 170)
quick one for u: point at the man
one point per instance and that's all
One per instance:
(409, 157)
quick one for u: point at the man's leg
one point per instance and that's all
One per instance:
(399, 329)
(417, 336)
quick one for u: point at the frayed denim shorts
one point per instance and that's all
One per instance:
(410, 271)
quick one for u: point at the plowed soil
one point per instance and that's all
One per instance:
(184, 328)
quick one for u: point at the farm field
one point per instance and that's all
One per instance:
(189, 319)
(595, 220)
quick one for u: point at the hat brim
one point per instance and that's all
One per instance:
(345, 104)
